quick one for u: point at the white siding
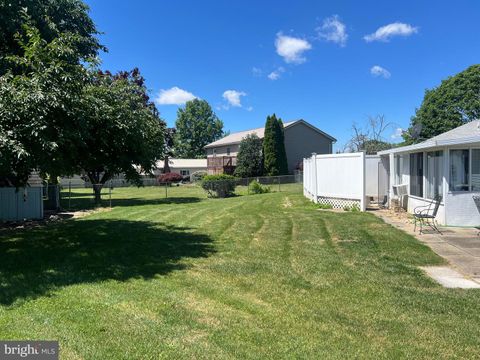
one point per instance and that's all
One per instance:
(371, 175)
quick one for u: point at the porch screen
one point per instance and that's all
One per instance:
(416, 174)
(434, 174)
(459, 167)
(476, 170)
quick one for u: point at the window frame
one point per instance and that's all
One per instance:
(425, 172)
(423, 178)
(470, 150)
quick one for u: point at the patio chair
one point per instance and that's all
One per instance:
(425, 215)
(476, 200)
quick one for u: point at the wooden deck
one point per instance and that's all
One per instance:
(221, 164)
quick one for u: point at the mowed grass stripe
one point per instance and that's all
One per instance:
(259, 276)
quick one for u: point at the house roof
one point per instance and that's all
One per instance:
(464, 134)
(184, 163)
(236, 137)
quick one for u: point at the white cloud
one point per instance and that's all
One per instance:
(250, 108)
(397, 134)
(234, 97)
(384, 33)
(256, 71)
(276, 74)
(333, 30)
(380, 71)
(291, 48)
(174, 96)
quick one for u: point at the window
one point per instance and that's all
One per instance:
(184, 172)
(434, 176)
(214, 152)
(459, 169)
(398, 169)
(228, 151)
(416, 174)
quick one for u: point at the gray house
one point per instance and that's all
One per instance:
(301, 139)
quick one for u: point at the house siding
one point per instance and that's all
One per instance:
(301, 141)
(222, 150)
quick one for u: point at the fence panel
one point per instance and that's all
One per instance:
(24, 203)
(336, 179)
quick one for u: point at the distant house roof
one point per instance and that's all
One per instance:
(236, 138)
(184, 163)
(464, 134)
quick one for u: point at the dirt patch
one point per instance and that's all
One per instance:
(287, 203)
(49, 218)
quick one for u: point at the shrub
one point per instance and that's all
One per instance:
(219, 185)
(256, 188)
(170, 178)
(198, 175)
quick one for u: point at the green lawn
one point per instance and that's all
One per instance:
(261, 276)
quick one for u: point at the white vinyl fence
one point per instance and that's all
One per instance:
(336, 179)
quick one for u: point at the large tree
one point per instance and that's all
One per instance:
(38, 124)
(197, 125)
(51, 18)
(455, 102)
(274, 155)
(249, 157)
(122, 132)
(44, 45)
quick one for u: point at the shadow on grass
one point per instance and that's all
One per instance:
(33, 263)
(86, 201)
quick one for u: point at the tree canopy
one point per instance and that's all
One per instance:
(274, 154)
(197, 125)
(121, 132)
(59, 114)
(38, 124)
(454, 102)
(50, 18)
(249, 157)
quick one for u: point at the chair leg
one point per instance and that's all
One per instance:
(435, 227)
(415, 224)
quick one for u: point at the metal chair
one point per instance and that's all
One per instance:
(476, 200)
(425, 215)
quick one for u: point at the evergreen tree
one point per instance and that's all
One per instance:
(249, 158)
(283, 163)
(269, 153)
(274, 155)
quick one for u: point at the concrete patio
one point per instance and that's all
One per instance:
(459, 246)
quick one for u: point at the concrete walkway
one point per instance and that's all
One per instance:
(459, 246)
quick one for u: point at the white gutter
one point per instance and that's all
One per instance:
(431, 144)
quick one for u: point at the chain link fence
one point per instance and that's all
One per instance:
(75, 193)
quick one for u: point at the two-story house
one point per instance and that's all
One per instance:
(301, 139)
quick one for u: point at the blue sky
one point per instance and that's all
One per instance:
(331, 64)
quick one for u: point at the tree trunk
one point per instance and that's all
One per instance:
(166, 165)
(97, 191)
